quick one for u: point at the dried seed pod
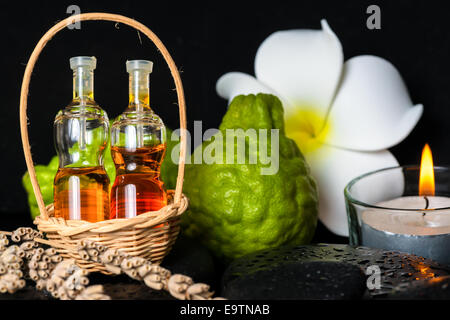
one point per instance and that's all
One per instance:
(83, 254)
(112, 260)
(60, 269)
(57, 284)
(3, 242)
(178, 285)
(11, 282)
(25, 234)
(41, 284)
(137, 261)
(153, 285)
(34, 275)
(198, 291)
(50, 251)
(126, 264)
(3, 269)
(133, 274)
(68, 281)
(113, 269)
(144, 270)
(14, 266)
(28, 245)
(12, 254)
(33, 265)
(43, 274)
(156, 277)
(10, 265)
(61, 293)
(93, 252)
(41, 265)
(56, 258)
(93, 293)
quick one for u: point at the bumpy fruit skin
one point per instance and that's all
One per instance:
(169, 169)
(234, 209)
(45, 175)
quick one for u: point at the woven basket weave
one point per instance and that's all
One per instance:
(137, 236)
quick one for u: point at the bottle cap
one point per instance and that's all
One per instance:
(83, 61)
(143, 65)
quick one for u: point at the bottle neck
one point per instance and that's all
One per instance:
(139, 86)
(83, 84)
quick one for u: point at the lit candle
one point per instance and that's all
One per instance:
(412, 224)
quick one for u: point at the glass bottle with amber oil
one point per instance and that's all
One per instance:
(138, 148)
(81, 185)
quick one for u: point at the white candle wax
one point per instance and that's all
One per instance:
(408, 222)
(425, 233)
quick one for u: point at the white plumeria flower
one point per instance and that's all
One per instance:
(342, 116)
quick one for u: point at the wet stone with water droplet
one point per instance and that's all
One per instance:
(338, 273)
(300, 280)
(437, 288)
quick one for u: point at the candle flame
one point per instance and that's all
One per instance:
(426, 180)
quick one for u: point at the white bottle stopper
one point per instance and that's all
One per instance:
(83, 61)
(144, 65)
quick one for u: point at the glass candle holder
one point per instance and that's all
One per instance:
(385, 211)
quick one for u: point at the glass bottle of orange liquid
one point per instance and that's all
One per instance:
(138, 147)
(81, 185)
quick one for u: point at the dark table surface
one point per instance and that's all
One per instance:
(187, 257)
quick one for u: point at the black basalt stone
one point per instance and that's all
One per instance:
(300, 280)
(394, 268)
(191, 258)
(430, 289)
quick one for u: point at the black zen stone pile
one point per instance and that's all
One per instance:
(326, 271)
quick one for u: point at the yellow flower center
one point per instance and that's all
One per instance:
(305, 126)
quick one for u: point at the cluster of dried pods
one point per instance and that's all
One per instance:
(27, 259)
(11, 261)
(66, 280)
(154, 276)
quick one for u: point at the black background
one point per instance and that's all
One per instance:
(206, 40)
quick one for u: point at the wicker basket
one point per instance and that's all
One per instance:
(137, 236)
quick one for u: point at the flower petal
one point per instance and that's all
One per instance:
(333, 169)
(235, 83)
(372, 109)
(303, 66)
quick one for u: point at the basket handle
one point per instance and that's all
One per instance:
(26, 82)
